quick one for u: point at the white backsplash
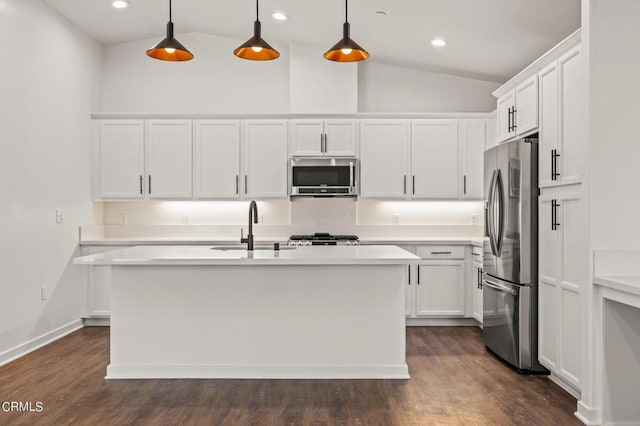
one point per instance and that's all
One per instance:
(305, 215)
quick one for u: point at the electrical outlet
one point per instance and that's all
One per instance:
(186, 219)
(59, 218)
(43, 292)
(261, 219)
(123, 218)
(475, 219)
(395, 219)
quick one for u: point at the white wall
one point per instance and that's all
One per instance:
(321, 86)
(615, 150)
(50, 79)
(390, 88)
(300, 81)
(215, 81)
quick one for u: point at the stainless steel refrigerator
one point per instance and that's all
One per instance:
(510, 262)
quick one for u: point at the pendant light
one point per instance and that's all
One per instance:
(256, 49)
(170, 49)
(346, 50)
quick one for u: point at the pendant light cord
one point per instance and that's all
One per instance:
(169, 10)
(346, 11)
(257, 17)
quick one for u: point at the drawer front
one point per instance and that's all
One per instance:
(476, 253)
(440, 252)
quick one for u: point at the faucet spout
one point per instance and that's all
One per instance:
(253, 218)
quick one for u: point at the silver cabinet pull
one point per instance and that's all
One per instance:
(409, 268)
(418, 275)
(414, 185)
(405, 184)
(141, 189)
(237, 185)
(245, 184)
(441, 252)
(465, 185)
(149, 184)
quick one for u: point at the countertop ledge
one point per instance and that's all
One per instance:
(199, 255)
(627, 284)
(160, 241)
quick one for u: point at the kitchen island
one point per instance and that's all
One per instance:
(307, 312)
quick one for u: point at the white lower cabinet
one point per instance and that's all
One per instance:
(562, 255)
(98, 284)
(476, 283)
(437, 287)
(440, 288)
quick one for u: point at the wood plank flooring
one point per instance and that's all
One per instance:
(454, 380)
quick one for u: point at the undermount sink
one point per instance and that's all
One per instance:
(243, 247)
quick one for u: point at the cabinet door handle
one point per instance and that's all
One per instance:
(554, 215)
(245, 184)
(464, 185)
(405, 184)
(325, 143)
(513, 119)
(554, 164)
(149, 184)
(237, 185)
(322, 142)
(480, 271)
(409, 268)
(509, 120)
(413, 187)
(141, 189)
(418, 275)
(441, 252)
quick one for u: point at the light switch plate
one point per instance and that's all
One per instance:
(59, 218)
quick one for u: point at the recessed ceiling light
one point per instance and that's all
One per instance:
(279, 16)
(438, 42)
(120, 4)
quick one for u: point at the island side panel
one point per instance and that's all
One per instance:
(307, 321)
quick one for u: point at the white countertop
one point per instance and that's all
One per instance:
(628, 284)
(121, 241)
(204, 255)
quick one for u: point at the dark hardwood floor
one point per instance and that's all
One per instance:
(454, 380)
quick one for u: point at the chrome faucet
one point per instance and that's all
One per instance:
(253, 218)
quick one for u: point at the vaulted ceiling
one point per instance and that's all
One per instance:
(487, 39)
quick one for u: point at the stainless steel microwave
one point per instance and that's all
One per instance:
(324, 177)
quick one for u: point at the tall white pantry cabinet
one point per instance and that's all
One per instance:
(563, 244)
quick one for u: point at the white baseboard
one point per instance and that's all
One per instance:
(588, 415)
(442, 322)
(124, 371)
(40, 341)
(568, 387)
(97, 321)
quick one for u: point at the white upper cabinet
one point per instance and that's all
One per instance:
(335, 137)
(434, 159)
(169, 159)
(122, 159)
(518, 110)
(265, 159)
(472, 140)
(505, 106)
(384, 158)
(217, 159)
(563, 121)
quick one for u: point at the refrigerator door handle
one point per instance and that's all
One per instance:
(500, 288)
(500, 198)
(489, 216)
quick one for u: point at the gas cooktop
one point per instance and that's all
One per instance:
(323, 238)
